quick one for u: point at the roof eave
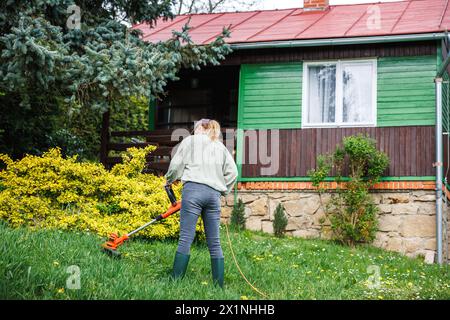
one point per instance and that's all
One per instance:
(338, 41)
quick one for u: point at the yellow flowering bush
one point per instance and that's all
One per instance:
(50, 191)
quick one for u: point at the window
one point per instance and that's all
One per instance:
(339, 93)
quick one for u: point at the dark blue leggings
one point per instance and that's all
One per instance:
(198, 198)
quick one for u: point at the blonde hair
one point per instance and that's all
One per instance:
(212, 127)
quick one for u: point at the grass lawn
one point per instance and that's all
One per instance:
(33, 265)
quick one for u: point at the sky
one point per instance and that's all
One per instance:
(283, 4)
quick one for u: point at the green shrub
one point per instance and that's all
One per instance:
(83, 126)
(351, 210)
(280, 221)
(54, 192)
(238, 215)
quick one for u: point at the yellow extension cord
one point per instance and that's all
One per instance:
(239, 268)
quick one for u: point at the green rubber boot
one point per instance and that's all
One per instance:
(217, 267)
(180, 265)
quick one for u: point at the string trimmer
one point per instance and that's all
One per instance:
(114, 240)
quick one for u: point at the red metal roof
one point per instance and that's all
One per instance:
(402, 17)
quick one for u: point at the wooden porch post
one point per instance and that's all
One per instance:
(104, 139)
(151, 113)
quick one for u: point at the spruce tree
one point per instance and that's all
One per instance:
(280, 221)
(47, 60)
(238, 215)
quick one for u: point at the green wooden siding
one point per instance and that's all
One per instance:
(445, 102)
(445, 93)
(406, 93)
(270, 96)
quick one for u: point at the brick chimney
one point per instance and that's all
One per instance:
(310, 5)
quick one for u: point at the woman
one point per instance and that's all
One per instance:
(207, 171)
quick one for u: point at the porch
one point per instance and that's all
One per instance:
(210, 93)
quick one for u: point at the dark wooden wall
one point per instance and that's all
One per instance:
(418, 48)
(411, 149)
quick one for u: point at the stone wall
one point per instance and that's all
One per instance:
(446, 246)
(406, 218)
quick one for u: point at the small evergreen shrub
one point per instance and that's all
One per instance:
(280, 221)
(238, 215)
(351, 210)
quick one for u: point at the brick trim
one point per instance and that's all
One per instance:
(302, 185)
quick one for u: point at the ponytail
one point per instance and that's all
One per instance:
(214, 130)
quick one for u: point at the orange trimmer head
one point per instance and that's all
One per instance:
(114, 241)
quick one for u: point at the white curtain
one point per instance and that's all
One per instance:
(322, 94)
